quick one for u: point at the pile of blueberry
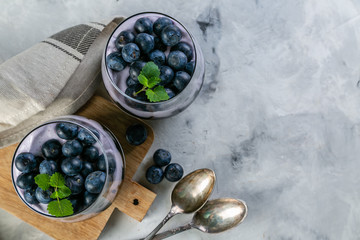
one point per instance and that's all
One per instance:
(78, 160)
(173, 172)
(150, 43)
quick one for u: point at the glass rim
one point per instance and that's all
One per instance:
(123, 93)
(59, 120)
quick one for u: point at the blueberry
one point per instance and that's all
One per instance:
(75, 183)
(170, 93)
(89, 198)
(190, 67)
(43, 196)
(86, 138)
(75, 202)
(166, 75)
(154, 174)
(90, 154)
(130, 52)
(72, 166)
(25, 162)
(160, 24)
(95, 181)
(115, 61)
(130, 81)
(158, 57)
(66, 131)
(136, 134)
(124, 38)
(171, 35)
(48, 167)
(177, 60)
(143, 25)
(101, 165)
(174, 172)
(39, 159)
(26, 180)
(135, 69)
(29, 196)
(181, 80)
(87, 169)
(159, 44)
(185, 48)
(130, 91)
(72, 148)
(145, 42)
(51, 149)
(162, 157)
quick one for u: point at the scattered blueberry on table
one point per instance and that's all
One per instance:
(173, 172)
(154, 174)
(162, 157)
(136, 134)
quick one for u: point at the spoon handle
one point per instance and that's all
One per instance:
(168, 216)
(172, 232)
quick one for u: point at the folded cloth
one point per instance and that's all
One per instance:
(54, 77)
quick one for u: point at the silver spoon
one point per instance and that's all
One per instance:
(216, 216)
(189, 195)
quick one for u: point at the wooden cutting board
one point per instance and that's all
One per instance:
(132, 198)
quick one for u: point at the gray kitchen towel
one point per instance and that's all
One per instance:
(54, 77)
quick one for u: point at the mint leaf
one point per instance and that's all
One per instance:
(158, 94)
(43, 181)
(143, 80)
(150, 70)
(57, 180)
(60, 208)
(63, 192)
(153, 81)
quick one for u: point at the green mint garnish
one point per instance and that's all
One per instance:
(149, 78)
(58, 208)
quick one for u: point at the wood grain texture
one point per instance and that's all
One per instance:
(129, 193)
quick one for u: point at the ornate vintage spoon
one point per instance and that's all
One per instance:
(216, 216)
(189, 195)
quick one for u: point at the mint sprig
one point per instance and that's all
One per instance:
(149, 77)
(58, 208)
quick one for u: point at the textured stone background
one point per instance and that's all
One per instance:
(278, 118)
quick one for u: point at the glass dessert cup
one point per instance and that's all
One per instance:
(115, 81)
(107, 145)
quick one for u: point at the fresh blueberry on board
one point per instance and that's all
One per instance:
(88, 168)
(170, 92)
(166, 75)
(185, 48)
(135, 69)
(154, 174)
(171, 35)
(51, 149)
(72, 166)
(85, 137)
(66, 131)
(75, 183)
(29, 196)
(124, 38)
(115, 61)
(130, 82)
(158, 57)
(43, 196)
(190, 67)
(48, 167)
(162, 157)
(25, 162)
(26, 180)
(72, 148)
(89, 198)
(173, 172)
(181, 80)
(136, 134)
(130, 52)
(90, 154)
(145, 42)
(143, 25)
(95, 181)
(159, 44)
(160, 24)
(177, 60)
